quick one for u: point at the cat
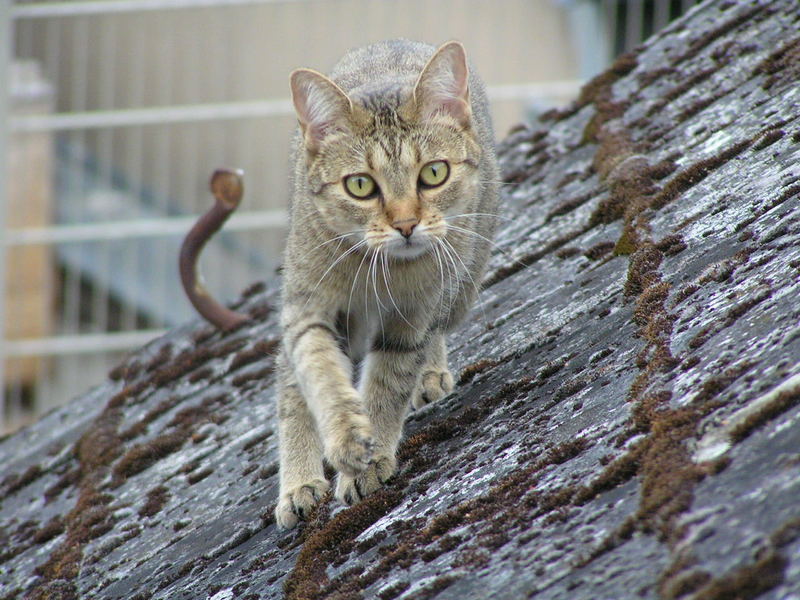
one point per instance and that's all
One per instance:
(394, 191)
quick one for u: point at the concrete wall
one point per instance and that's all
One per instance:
(30, 269)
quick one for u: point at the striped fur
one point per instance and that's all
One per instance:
(371, 286)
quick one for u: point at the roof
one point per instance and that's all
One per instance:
(626, 421)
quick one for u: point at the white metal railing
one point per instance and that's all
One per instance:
(140, 228)
(162, 115)
(85, 343)
(159, 115)
(42, 10)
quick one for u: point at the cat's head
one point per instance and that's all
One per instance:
(391, 161)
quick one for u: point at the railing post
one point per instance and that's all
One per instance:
(6, 44)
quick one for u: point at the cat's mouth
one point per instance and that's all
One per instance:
(407, 249)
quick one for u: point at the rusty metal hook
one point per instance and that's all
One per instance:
(227, 186)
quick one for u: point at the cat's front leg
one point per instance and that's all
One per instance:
(302, 479)
(324, 375)
(391, 373)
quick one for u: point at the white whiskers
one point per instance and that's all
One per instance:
(344, 255)
(476, 234)
(452, 250)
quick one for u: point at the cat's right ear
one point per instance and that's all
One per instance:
(443, 85)
(321, 105)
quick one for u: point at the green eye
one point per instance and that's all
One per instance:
(360, 186)
(434, 173)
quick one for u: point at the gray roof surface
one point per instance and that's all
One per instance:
(626, 422)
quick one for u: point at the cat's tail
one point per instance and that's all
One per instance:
(227, 187)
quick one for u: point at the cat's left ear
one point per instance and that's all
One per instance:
(443, 85)
(321, 106)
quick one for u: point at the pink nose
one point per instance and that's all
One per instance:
(405, 227)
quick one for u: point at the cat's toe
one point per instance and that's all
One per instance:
(436, 384)
(350, 490)
(352, 448)
(298, 502)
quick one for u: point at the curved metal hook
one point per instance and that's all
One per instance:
(227, 186)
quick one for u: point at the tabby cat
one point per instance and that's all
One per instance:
(393, 199)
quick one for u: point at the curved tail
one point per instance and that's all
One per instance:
(227, 187)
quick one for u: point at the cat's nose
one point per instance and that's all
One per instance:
(406, 227)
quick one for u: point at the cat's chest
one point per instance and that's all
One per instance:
(370, 288)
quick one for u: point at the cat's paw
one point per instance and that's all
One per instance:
(436, 384)
(351, 447)
(298, 502)
(350, 490)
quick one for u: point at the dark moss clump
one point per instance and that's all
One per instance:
(52, 590)
(671, 245)
(783, 402)
(570, 388)
(161, 408)
(198, 476)
(201, 374)
(260, 311)
(568, 252)
(125, 371)
(324, 545)
(698, 44)
(394, 590)
(732, 315)
(647, 78)
(569, 205)
(253, 289)
(259, 351)
(619, 471)
(696, 173)
(715, 385)
(142, 456)
(258, 375)
(600, 85)
(567, 179)
(156, 499)
(646, 410)
(162, 357)
(257, 440)
(782, 65)
(786, 533)
(685, 292)
(528, 259)
(433, 434)
(679, 90)
(434, 588)
(225, 349)
(476, 368)
(668, 472)
(14, 483)
(749, 581)
(643, 269)
(599, 250)
(68, 479)
(172, 370)
(52, 529)
(683, 583)
(650, 303)
(88, 520)
(769, 138)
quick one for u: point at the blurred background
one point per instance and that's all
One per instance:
(114, 113)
